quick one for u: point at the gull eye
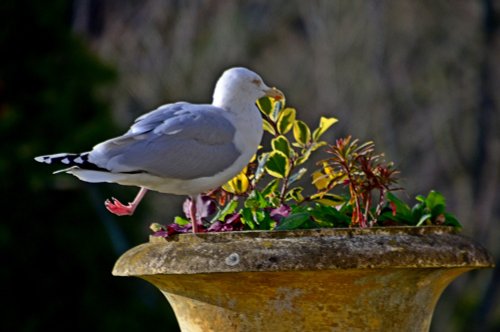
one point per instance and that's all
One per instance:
(256, 82)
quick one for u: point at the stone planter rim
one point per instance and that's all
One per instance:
(304, 250)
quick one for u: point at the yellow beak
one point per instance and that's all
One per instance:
(274, 93)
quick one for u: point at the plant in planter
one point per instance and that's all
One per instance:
(353, 186)
(309, 259)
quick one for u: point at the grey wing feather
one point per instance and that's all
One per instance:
(180, 140)
(153, 119)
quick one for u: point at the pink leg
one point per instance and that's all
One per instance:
(193, 214)
(118, 208)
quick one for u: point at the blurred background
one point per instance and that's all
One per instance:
(420, 78)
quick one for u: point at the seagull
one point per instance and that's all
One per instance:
(179, 148)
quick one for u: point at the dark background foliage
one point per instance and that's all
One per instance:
(56, 254)
(420, 78)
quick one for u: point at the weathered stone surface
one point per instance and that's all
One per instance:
(361, 300)
(378, 279)
(303, 250)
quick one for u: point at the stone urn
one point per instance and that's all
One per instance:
(375, 279)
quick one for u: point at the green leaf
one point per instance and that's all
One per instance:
(278, 165)
(403, 211)
(417, 211)
(295, 194)
(316, 145)
(263, 219)
(293, 221)
(256, 201)
(451, 220)
(268, 127)
(265, 105)
(271, 188)
(281, 143)
(228, 209)
(247, 218)
(420, 198)
(435, 203)
(328, 199)
(324, 125)
(181, 221)
(328, 216)
(423, 219)
(286, 120)
(435, 199)
(304, 157)
(438, 210)
(301, 133)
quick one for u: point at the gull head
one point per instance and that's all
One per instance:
(241, 86)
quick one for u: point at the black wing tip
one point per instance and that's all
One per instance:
(43, 159)
(69, 160)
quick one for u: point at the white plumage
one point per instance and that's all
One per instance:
(180, 148)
